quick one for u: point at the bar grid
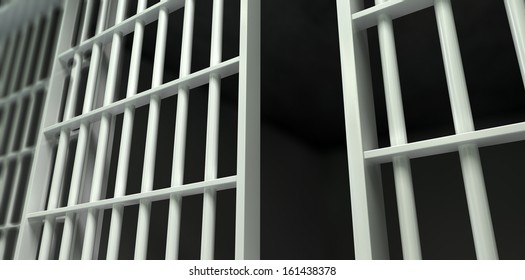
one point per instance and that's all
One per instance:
(364, 155)
(45, 217)
(23, 87)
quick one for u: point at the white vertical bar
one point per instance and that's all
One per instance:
(48, 34)
(478, 205)
(3, 183)
(3, 124)
(102, 16)
(3, 47)
(3, 243)
(6, 64)
(181, 121)
(31, 54)
(141, 242)
(100, 171)
(18, 62)
(212, 135)
(31, 108)
(516, 14)
(368, 218)
(77, 170)
(15, 185)
(87, 17)
(396, 122)
(247, 220)
(125, 142)
(15, 127)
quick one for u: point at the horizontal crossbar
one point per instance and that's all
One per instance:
(156, 195)
(441, 145)
(17, 154)
(394, 8)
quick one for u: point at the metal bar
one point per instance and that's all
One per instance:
(193, 80)
(76, 178)
(406, 204)
(102, 17)
(368, 218)
(18, 61)
(156, 195)
(4, 126)
(3, 46)
(100, 171)
(212, 134)
(8, 226)
(6, 166)
(7, 65)
(3, 243)
(516, 15)
(31, 55)
(478, 205)
(17, 154)
(48, 34)
(85, 24)
(15, 127)
(148, 173)
(247, 216)
(485, 137)
(15, 185)
(31, 108)
(125, 142)
(181, 121)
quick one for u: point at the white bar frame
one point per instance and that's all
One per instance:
(466, 140)
(366, 194)
(246, 182)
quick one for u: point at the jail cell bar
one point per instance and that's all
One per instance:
(363, 153)
(25, 62)
(246, 181)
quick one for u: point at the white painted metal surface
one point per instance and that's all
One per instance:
(181, 121)
(148, 173)
(396, 123)
(212, 135)
(366, 193)
(479, 211)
